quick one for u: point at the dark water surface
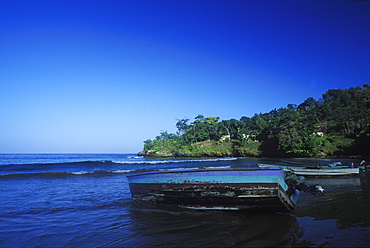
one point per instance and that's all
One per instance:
(83, 200)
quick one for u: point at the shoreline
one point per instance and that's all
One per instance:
(339, 156)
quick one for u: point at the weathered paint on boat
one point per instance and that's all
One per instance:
(322, 171)
(231, 189)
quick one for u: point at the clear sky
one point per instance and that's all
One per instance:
(87, 76)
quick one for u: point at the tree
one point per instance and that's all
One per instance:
(348, 110)
(205, 128)
(233, 128)
(201, 129)
(148, 145)
(339, 121)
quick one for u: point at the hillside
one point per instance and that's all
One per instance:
(336, 124)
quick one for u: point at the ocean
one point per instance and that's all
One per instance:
(83, 200)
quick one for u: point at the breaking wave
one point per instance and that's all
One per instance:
(175, 161)
(65, 173)
(105, 167)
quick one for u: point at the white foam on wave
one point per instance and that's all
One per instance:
(122, 171)
(142, 162)
(81, 172)
(99, 171)
(196, 168)
(175, 161)
(218, 167)
(178, 169)
(134, 157)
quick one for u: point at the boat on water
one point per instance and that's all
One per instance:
(271, 189)
(316, 170)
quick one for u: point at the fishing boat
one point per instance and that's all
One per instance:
(258, 189)
(316, 170)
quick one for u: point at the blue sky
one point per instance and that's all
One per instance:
(103, 76)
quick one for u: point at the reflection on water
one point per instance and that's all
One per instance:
(341, 213)
(170, 226)
(346, 207)
(347, 200)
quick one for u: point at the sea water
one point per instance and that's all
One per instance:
(83, 200)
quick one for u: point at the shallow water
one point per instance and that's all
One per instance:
(84, 201)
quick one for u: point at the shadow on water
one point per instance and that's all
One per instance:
(173, 227)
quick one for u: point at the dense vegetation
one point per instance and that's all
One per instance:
(338, 123)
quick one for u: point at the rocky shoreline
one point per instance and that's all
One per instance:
(205, 155)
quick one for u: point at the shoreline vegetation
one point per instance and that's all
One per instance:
(336, 125)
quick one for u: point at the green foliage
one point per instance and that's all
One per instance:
(336, 124)
(164, 145)
(251, 149)
(208, 148)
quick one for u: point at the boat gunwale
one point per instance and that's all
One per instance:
(324, 171)
(175, 171)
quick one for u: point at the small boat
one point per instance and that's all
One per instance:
(316, 170)
(221, 189)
